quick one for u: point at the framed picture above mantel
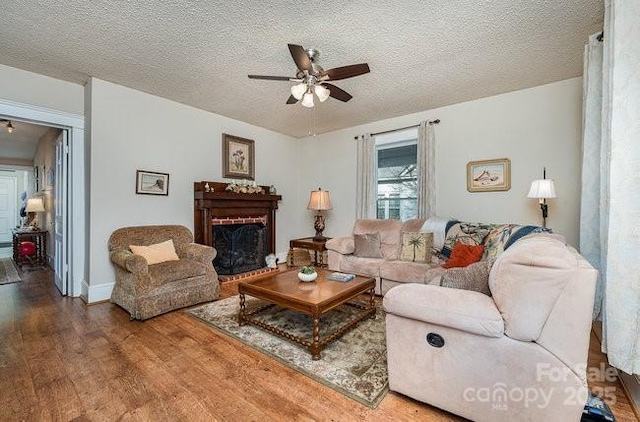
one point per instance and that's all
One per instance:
(489, 175)
(238, 157)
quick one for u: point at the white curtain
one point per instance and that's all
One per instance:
(366, 188)
(426, 172)
(595, 159)
(611, 205)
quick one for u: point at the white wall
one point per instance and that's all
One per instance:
(44, 158)
(31, 88)
(132, 130)
(536, 127)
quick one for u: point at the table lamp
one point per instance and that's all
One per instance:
(319, 201)
(542, 189)
(34, 205)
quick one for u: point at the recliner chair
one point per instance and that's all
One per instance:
(518, 355)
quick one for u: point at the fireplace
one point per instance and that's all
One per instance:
(222, 216)
(241, 244)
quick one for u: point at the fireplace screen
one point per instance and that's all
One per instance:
(241, 248)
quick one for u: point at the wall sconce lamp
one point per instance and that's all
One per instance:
(319, 201)
(543, 189)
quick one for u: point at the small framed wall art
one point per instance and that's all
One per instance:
(238, 157)
(152, 183)
(489, 175)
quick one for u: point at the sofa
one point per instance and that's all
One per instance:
(148, 290)
(519, 353)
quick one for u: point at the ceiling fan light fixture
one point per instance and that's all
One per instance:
(9, 127)
(322, 93)
(298, 90)
(307, 100)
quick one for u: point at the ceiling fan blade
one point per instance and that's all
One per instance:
(270, 78)
(337, 93)
(345, 72)
(299, 55)
(291, 100)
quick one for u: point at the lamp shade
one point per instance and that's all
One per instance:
(542, 189)
(322, 93)
(319, 200)
(307, 99)
(35, 205)
(298, 90)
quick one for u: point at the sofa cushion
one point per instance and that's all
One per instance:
(342, 245)
(463, 255)
(474, 277)
(527, 281)
(157, 253)
(364, 266)
(416, 247)
(367, 245)
(405, 272)
(166, 272)
(460, 309)
(389, 234)
(467, 233)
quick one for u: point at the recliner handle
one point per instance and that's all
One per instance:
(435, 340)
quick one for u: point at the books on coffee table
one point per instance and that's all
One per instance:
(341, 276)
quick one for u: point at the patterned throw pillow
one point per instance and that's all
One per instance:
(467, 233)
(416, 247)
(367, 245)
(501, 237)
(475, 277)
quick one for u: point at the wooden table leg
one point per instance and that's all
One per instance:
(315, 344)
(242, 310)
(372, 303)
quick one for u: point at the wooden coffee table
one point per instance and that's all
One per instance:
(313, 299)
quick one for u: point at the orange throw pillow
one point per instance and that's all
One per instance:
(463, 255)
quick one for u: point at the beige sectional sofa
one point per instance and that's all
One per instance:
(520, 354)
(389, 271)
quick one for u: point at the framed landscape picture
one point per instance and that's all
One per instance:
(489, 175)
(152, 183)
(238, 157)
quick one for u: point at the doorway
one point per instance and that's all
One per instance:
(67, 172)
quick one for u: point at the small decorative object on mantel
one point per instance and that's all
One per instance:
(307, 274)
(489, 175)
(238, 157)
(207, 188)
(272, 190)
(244, 187)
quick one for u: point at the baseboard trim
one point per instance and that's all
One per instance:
(97, 293)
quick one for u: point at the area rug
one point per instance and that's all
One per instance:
(354, 365)
(8, 272)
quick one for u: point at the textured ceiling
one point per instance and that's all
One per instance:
(22, 143)
(422, 54)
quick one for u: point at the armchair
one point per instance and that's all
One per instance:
(149, 290)
(520, 354)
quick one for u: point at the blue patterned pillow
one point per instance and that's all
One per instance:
(467, 233)
(500, 238)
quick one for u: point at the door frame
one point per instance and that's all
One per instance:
(76, 212)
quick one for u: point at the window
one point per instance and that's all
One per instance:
(397, 178)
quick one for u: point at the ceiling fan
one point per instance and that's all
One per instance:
(313, 79)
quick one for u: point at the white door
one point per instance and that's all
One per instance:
(60, 212)
(8, 207)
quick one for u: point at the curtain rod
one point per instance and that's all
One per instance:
(431, 122)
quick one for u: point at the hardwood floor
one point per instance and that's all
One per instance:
(63, 360)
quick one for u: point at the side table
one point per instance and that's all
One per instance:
(39, 238)
(317, 246)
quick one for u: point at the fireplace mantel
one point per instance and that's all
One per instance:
(220, 204)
